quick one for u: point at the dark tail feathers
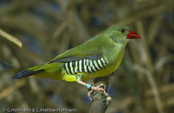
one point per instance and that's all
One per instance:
(26, 73)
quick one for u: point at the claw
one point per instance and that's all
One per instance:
(92, 88)
(89, 94)
(97, 88)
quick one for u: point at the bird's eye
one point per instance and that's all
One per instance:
(122, 30)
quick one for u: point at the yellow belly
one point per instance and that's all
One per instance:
(101, 73)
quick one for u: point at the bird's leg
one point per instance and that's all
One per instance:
(92, 88)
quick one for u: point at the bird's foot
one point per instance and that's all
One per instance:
(92, 88)
(97, 88)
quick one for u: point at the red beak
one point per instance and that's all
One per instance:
(133, 35)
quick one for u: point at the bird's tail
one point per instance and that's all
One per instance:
(29, 72)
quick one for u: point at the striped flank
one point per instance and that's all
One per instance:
(85, 65)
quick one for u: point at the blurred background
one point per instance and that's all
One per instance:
(144, 83)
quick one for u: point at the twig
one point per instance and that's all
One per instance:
(152, 83)
(10, 38)
(144, 13)
(99, 101)
(10, 89)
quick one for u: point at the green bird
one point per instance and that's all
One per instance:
(97, 57)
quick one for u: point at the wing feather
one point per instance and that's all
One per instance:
(88, 50)
(74, 58)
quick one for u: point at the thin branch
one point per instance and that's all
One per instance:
(99, 101)
(7, 91)
(153, 85)
(10, 38)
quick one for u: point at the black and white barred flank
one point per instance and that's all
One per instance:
(85, 65)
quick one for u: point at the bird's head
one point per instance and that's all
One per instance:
(121, 34)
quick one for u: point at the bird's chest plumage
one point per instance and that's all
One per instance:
(112, 63)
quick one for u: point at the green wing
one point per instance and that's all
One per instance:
(74, 58)
(88, 50)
